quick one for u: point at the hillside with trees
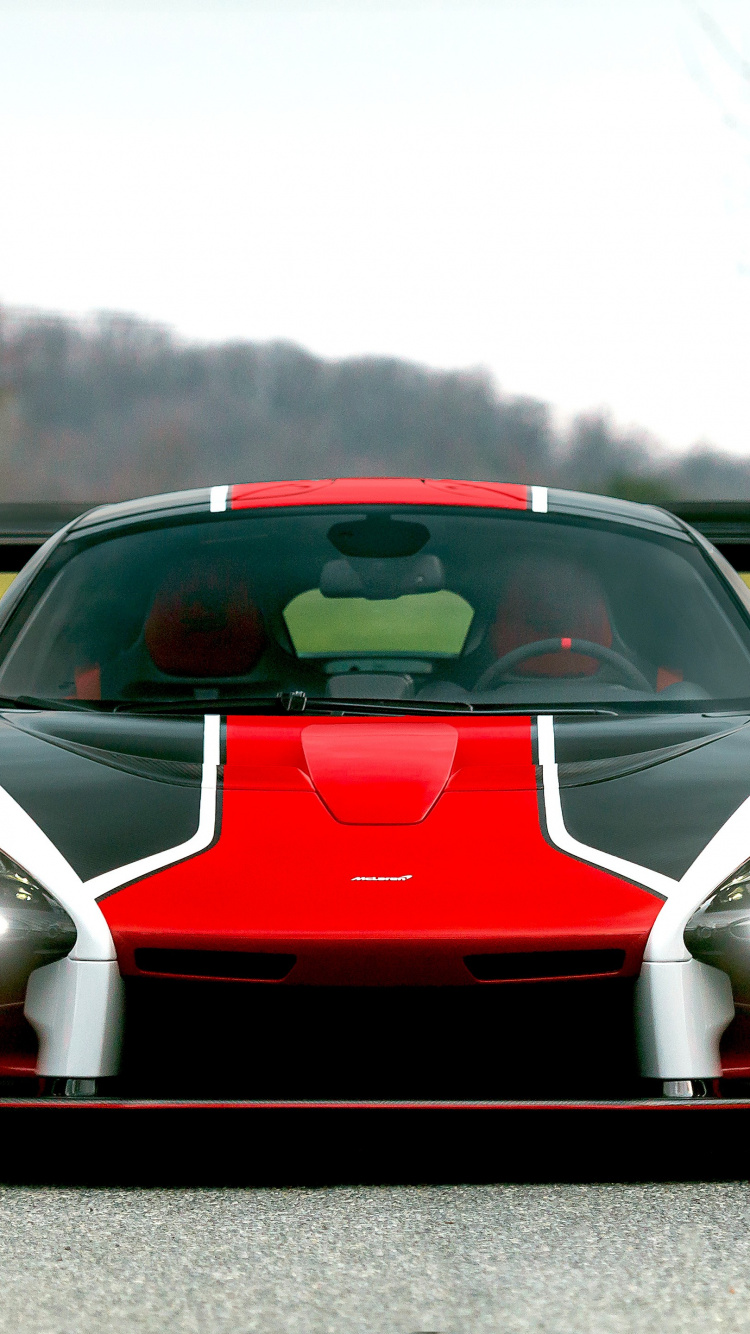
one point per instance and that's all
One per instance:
(115, 406)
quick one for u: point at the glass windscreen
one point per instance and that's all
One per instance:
(445, 604)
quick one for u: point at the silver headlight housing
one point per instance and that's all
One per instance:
(719, 932)
(34, 929)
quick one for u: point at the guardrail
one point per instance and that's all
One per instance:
(24, 527)
(726, 523)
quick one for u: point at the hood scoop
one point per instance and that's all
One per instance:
(379, 773)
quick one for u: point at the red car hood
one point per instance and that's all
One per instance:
(381, 851)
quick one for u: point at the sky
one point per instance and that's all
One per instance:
(556, 190)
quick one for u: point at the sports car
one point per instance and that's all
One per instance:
(375, 789)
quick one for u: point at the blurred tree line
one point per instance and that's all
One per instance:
(115, 407)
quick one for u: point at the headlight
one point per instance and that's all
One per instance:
(34, 929)
(719, 932)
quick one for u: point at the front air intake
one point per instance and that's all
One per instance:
(544, 964)
(233, 965)
(197, 1038)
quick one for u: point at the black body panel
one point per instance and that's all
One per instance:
(106, 790)
(652, 790)
(176, 740)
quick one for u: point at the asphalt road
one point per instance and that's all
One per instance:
(375, 1260)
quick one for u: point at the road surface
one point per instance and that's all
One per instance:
(455, 1259)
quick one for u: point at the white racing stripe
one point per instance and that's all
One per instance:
(539, 499)
(663, 884)
(727, 850)
(203, 836)
(23, 840)
(218, 499)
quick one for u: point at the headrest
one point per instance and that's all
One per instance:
(377, 579)
(549, 598)
(203, 622)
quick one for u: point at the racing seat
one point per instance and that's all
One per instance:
(203, 623)
(550, 598)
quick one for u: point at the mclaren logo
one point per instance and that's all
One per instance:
(381, 877)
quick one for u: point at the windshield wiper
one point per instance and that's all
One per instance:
(48, 705)
(297, 701)
(294, 701)
(519, 710)
(447, 706)
(188, 704)
(390, 705)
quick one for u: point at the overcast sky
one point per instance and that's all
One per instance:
(558, 190)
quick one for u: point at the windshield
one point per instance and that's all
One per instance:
(488, 608)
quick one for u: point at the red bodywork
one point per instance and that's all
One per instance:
(380, 491)
(316, 814)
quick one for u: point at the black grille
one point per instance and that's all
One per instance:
(234, 1039)
(543, 964)
(231, 964)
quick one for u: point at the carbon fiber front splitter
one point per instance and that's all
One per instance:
(340, 1105)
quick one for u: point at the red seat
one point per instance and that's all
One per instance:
(203, 623)
(546, 598)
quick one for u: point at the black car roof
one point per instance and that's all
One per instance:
(559, 501)
(122, 511)
(589, 505)
(30, 524)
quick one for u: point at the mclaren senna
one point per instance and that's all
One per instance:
(376, 791)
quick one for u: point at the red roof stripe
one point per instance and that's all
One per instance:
(380, 491)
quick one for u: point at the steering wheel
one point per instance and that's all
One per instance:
(538, 647)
